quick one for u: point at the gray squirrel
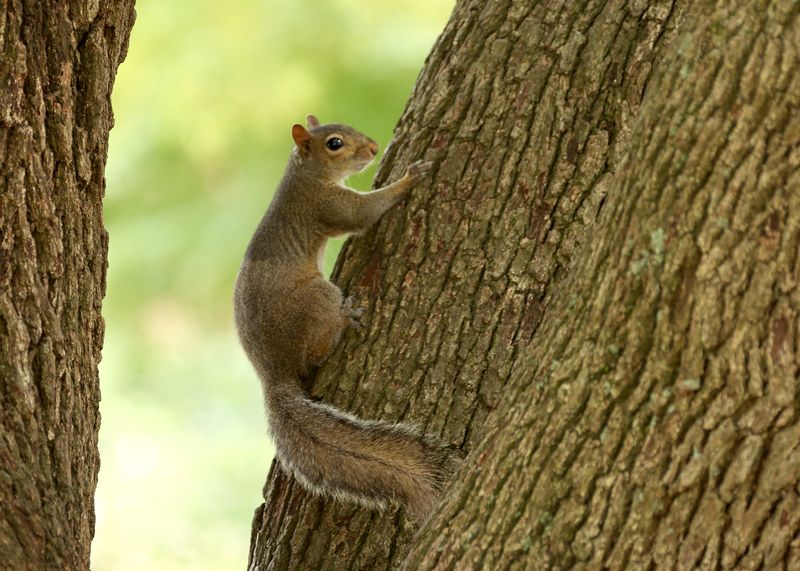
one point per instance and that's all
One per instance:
(290, 317)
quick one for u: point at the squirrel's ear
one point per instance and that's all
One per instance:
(312, 121)
(302, 138)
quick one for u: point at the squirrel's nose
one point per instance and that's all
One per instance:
(373, 148)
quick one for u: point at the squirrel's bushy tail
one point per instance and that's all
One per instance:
(333, 453)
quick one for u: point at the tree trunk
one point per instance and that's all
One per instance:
(653, 422)
(629, 401)
(57, 66)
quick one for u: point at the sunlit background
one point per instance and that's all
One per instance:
(204, 104)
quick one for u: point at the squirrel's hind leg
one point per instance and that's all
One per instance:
(325, 320)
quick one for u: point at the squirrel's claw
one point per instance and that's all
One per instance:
(418, 169)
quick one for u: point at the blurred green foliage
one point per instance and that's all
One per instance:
(204, 104)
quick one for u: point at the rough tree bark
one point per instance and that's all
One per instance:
(57, 66)
(653, 422)
(597, 297)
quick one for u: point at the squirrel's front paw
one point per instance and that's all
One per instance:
(417, 170)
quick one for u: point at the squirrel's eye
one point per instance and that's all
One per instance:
(334, 143)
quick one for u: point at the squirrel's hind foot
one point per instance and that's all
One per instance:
(352, 314)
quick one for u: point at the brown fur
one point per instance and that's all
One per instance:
(289, 318)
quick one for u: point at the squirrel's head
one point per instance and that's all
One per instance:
(333, 150)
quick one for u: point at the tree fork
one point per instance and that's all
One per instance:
(527, 110)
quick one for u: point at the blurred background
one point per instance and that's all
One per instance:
(204, 104)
